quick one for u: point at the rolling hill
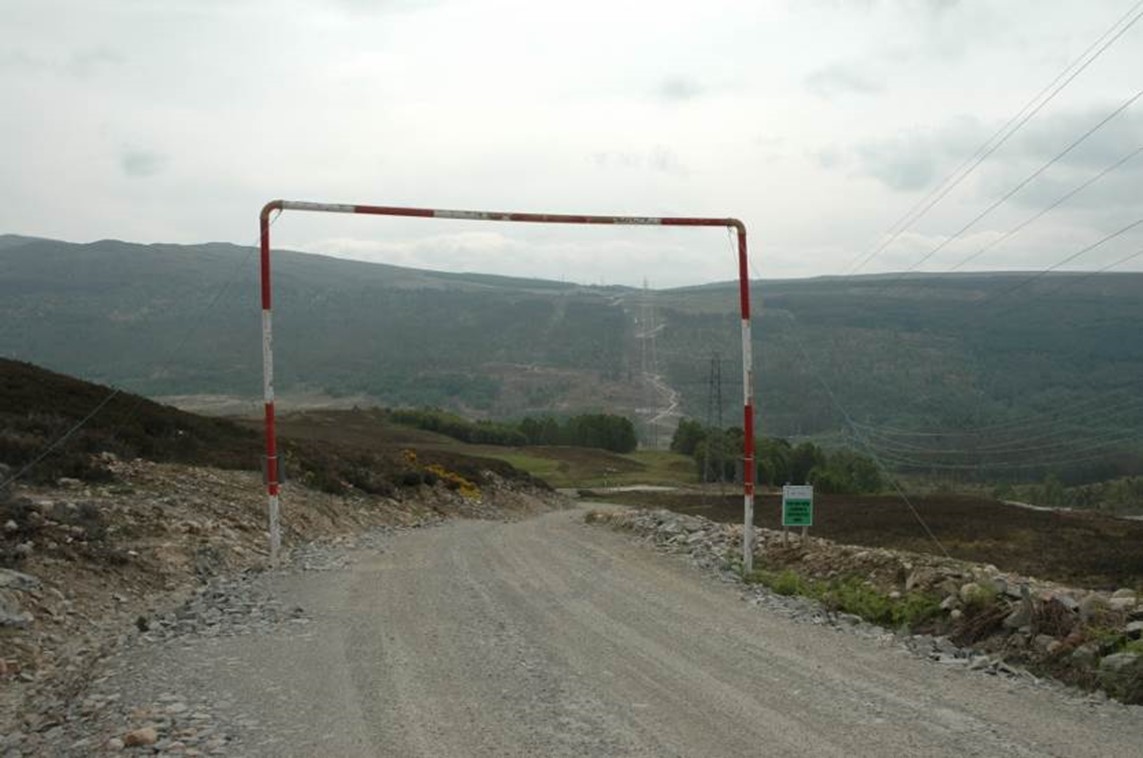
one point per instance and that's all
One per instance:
(919, 363)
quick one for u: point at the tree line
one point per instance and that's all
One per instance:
(718, 457)
(600, 430)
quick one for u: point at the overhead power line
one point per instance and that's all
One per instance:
(1019, 186)
(1089, 275)
(1035, 217)
(817, 374)
(1066, 260)
(1022, 426)
(1003, 134)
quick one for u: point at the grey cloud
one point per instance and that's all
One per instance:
(1045, 137)
(85, 63)
(1114, 192)
(385, 6)
(912, 160)
(677, 88)
(829, 157)
(905, 170)
(658, 158)
(81, 64)
(20, 59)
(141, 163)
(841, 78)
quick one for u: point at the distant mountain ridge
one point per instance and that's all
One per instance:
(918, 352)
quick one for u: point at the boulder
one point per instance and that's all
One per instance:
(1134, 630)
(1118, 662)
(14, 580)
(1086, 654)
(970, 590)
(1068, 602)
(148, 735)
(1121, 674)
(1042, 642)
(1092, 606)
(1122, 603)
(1020, 617)
(11, 615)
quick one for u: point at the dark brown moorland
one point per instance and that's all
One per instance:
(1085, 549)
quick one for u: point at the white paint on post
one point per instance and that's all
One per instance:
(748, 534)
(465, 215)
(267, 358)
(747, 403)
(275, 531)
(301, 205)
(268, 398)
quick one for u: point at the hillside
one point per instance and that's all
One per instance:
(175, 320)
(98, 427)
(1050, 367)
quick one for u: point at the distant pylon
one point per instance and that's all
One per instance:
(649, 364)
(713, 408)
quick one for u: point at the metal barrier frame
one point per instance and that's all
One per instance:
(273, 485)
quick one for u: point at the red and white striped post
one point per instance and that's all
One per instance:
(272, 468)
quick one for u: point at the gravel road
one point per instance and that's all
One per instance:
(548, 637)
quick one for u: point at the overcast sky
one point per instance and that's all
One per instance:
(818, 123)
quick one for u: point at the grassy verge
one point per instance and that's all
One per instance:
(913, 610)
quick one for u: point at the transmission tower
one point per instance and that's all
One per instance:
(714, 408)
(649, 365)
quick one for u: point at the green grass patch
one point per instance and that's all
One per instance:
(587, 468)
(853, 595)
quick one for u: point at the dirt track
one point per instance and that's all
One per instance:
(550, 637)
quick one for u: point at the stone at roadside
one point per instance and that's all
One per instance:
(981, 662)
(114, 744)
(1042, 642)
(141, 737)
(1122, 603)
(1020, 617)
(949, 603)
(1134, 630)
(11, 615)
(969, 591)
(1092, 605)
(1086, 654)
(1123, 592)
(1121, 673)
(1068, 602)
(1118, 662)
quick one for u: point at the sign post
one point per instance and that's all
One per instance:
(798, 506)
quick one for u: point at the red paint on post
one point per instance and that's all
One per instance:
(743, 275)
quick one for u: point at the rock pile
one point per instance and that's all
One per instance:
(990, 620)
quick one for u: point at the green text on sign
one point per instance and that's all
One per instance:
(798, 513)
